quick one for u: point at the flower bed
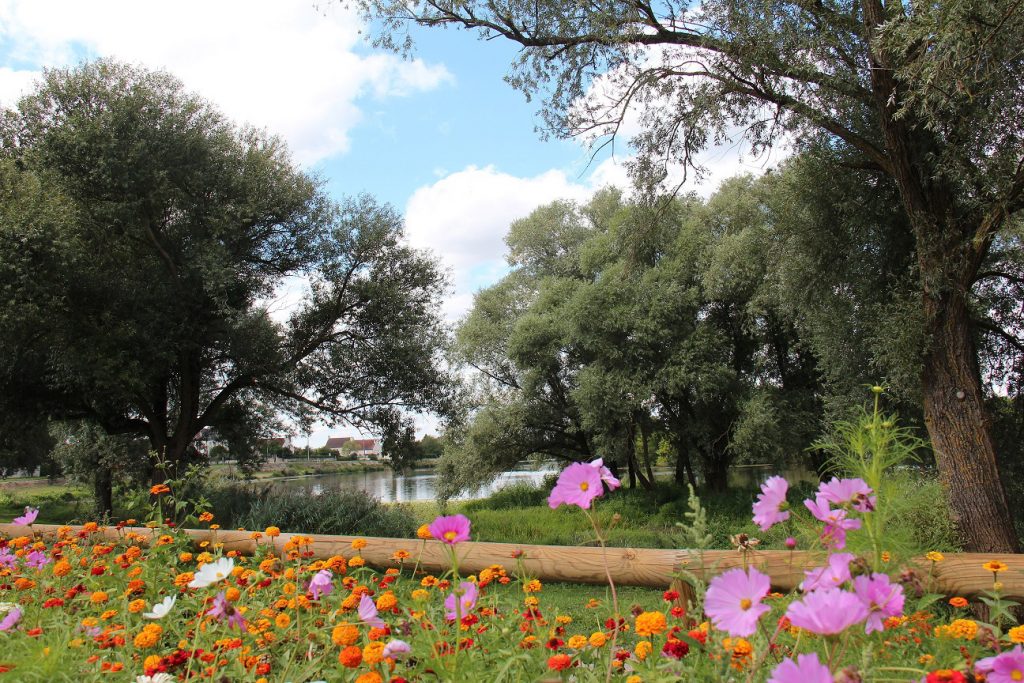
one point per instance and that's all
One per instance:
(79, 605)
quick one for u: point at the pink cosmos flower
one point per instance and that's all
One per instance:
(396, 649)
(836, 522)
(827, 611)
(27, 518)
(770, 508)
(1007, 667)
(806, 669)
(368, 612)
(37, 559)
(733, 600)
(839, 492)
(321, 583)
(466, 595)
(225, 611)
(606, 474)
(579, 484)
(10, 619)
(881, 597)
(7, 558)
(451, 530)
(836, 572)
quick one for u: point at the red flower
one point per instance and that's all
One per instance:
(559, 662)
(675, 648)
(34, 633)
(669, 596)
(53, 602)
(945, 676)
(554, 643)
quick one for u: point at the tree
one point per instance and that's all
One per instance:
(154, 236)
(925, 96)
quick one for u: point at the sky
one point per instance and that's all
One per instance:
(441, 137)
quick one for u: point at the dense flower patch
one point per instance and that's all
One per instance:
(82, 605)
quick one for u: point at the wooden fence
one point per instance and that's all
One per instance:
(958, 574)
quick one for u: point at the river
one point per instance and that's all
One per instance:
(418, 484)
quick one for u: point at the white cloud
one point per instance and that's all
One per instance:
(279, 64)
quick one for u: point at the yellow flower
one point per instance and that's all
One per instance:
(598, 639)
(148, 636)
(272, 531)
(563, 619)
(387, 601)
(1016, 634)
(994, 566)
(533, 586)
(420, 595)
(935, 556)
(643, 648)
(358, 543)
(136, 606)
(634, 679)
(356, 562)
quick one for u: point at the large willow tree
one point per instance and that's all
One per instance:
(925, 95)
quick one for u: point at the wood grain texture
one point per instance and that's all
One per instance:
(958, 574)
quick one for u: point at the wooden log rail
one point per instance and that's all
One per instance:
(958, 574)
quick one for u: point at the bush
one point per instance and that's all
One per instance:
(342, 511)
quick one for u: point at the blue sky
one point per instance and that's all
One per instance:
(442, 137)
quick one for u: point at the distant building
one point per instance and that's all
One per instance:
(336, 443)
(363, 449)
(367, 449)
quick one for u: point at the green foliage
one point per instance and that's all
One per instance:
(142, 234)
(341, 511)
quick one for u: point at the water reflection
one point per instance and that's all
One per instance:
(406, 487)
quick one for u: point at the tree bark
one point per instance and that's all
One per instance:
(958, 426)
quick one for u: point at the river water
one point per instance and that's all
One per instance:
(418, 484)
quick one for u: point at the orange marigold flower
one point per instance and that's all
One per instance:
(1016, 634)
(958, 602)
(598, 639)
(373, 653)
(98, 597)
(149, 636)
(185, 557)
(344, 634)
(533, 586)
(400, 555)
(642, 649)
(136, 606)
(650, 624)
(576, 642)
(369, 677)
(183, 579)
(356, 562)
(387, 601)
(351, 656)
(282, 620)
(272, 531)
(935, 556)
(424, 532)
(159, 489)
(206, 517)
(358, 543)
(61, 568)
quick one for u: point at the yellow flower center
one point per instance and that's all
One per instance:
(584, 486)
(746, 604)
(450, 535)
(1017, 675)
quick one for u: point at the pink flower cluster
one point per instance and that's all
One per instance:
(832, 504)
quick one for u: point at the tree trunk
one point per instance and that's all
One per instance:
(103, 490)
(716, 473)
(958, 425)
(684, 469)
(645, 438)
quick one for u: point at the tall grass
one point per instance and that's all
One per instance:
(342, 511)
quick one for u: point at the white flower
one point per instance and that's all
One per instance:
(212, 573)
(161, 609)
(6, 607)
(155, 678)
